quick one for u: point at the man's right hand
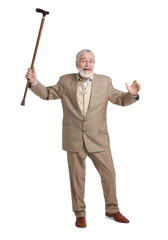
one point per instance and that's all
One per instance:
(31, 75)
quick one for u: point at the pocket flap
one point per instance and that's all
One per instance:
(103, 127)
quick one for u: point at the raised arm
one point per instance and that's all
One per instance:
(46, 93)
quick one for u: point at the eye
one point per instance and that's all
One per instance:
(91, 61)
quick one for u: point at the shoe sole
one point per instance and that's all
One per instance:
(80, 226)
(115, 219)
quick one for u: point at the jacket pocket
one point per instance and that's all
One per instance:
(103, 127)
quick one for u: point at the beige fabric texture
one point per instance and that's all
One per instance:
(104, 164)
(90, 129)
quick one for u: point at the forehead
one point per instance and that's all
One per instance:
(86, 55)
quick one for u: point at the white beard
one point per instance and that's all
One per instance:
(85, 75)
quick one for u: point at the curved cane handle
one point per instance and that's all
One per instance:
(42, 11)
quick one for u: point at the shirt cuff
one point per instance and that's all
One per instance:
(34, 84)
(134, 96)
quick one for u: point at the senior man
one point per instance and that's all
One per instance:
(84, 96)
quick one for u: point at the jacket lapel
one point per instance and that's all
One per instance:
(73, 93)
(92, 95)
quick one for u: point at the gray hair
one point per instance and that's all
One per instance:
(82, 51)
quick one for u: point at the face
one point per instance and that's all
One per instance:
(86, 64)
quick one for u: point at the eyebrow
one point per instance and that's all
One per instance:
(85, 58)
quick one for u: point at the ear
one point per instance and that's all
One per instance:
(76, 64)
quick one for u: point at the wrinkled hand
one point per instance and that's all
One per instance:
(31, 75)
(134, 88)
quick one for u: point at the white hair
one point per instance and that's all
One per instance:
(82, 51)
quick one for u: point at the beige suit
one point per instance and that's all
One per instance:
(91, 129)
(87, 135)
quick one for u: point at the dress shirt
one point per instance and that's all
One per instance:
(85, 83)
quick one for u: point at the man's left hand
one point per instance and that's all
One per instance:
(134, 88)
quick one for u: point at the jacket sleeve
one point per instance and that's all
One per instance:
(48, 93)
(118, 97)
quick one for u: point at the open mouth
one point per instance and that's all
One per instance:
(86, 69)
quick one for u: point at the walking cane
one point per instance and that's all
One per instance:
(35, 51)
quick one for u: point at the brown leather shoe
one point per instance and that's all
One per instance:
(117, 217)
(80, 222)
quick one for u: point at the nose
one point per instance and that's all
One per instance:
(87, 63)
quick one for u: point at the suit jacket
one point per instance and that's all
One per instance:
(91, 129)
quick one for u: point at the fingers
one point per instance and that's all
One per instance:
(33, 69)
(134, 88)
(127, 86)
(136, 84)
(29, 74)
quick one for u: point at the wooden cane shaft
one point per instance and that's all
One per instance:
(33, 59)
(37, 43)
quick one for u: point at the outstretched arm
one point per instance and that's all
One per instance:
(123, 98)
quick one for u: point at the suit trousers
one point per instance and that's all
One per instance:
(104, 165)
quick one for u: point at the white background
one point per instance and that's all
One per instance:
(129, 39)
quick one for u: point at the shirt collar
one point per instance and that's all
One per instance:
(78, 78)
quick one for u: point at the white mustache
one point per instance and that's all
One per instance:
(86, 68)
